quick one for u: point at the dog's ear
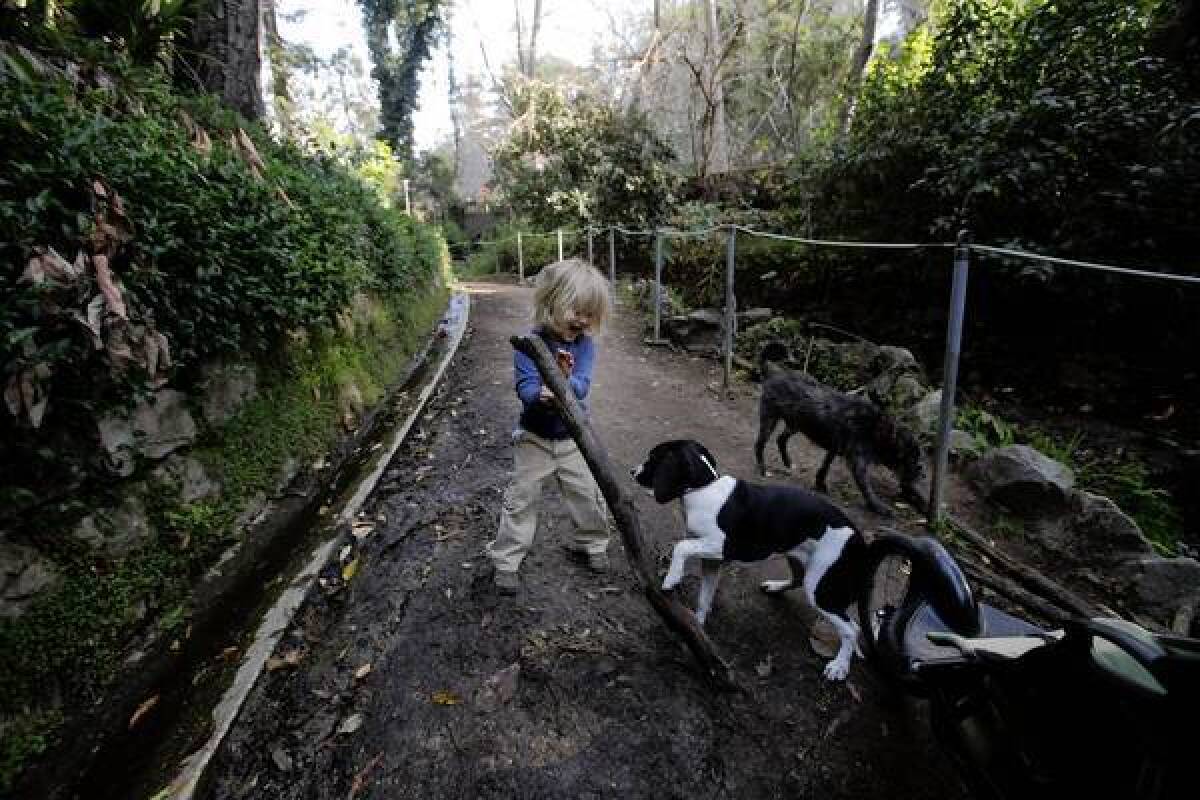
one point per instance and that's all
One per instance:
(669, 478)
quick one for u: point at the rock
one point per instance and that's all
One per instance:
(499, 689)
(226, 388)
(1106, 532)
(157, 428)
(191, 477)
(350, 405)
(115, 532)
(964, 448)
(753, 316)
(1161, 585)
(1091, 531)
(281, 759)
(894, 359)
(897, 393)
(256, 508)
(923, 415)
(697, 331)
(1024, 480)
(24, 574)
(287, 474)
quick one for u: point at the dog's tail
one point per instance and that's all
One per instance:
(772, 352)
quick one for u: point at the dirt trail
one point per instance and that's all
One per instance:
(605, 702)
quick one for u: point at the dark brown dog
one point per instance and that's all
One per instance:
(843, 424)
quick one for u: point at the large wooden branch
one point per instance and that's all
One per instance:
(680, 620)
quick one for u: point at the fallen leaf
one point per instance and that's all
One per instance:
(345, 552)
(764, 667)
(362, 530)
(362, 671)
(289, 659)
(142, 710)
(281, 759)
(351, 724)
(360, 780)
(349, 570)
(104, 279)
(446, 698)
(823, 643)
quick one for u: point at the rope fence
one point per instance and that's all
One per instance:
(962, 250)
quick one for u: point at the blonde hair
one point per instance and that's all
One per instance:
(571, 285)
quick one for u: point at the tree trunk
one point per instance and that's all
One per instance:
(858, 65)
(224, 54)
(718, 137)
(281, 98)
(527, 56)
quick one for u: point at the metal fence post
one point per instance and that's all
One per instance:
(520, 260)
(590, 259)
(612, 261)
(958, 298)
(560, 244)
(730, 303)
(658, 265)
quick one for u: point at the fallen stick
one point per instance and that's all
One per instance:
(679, 619)
(1027, 576)
(1013, 591)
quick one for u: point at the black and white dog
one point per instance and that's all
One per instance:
(732, 520)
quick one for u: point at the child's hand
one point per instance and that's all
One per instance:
(566, 361)
(545, 395)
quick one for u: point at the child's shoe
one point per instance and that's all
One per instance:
(596, 562)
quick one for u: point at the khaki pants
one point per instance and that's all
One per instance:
(535, 460)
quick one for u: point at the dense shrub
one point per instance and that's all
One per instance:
(218, 240)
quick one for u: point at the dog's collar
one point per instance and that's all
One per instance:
(708, 464)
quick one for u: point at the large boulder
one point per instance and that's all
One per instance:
(226, 388)
(1161, 586)
(1092, 530)
(1023, 480)
(24, 574)
(156, 428)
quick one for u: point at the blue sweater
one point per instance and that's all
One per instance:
(541, 419)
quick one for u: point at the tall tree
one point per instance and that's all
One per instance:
(858, 65)
(527, 53)
(223, 53)
(413, 25)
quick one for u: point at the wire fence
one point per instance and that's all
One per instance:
(962, 250)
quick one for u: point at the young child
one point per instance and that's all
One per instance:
(572, 299)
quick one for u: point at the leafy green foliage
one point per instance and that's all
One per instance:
(142, 29)
(413, 25)
(235, 240)
(570, 161)
(987, 428)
